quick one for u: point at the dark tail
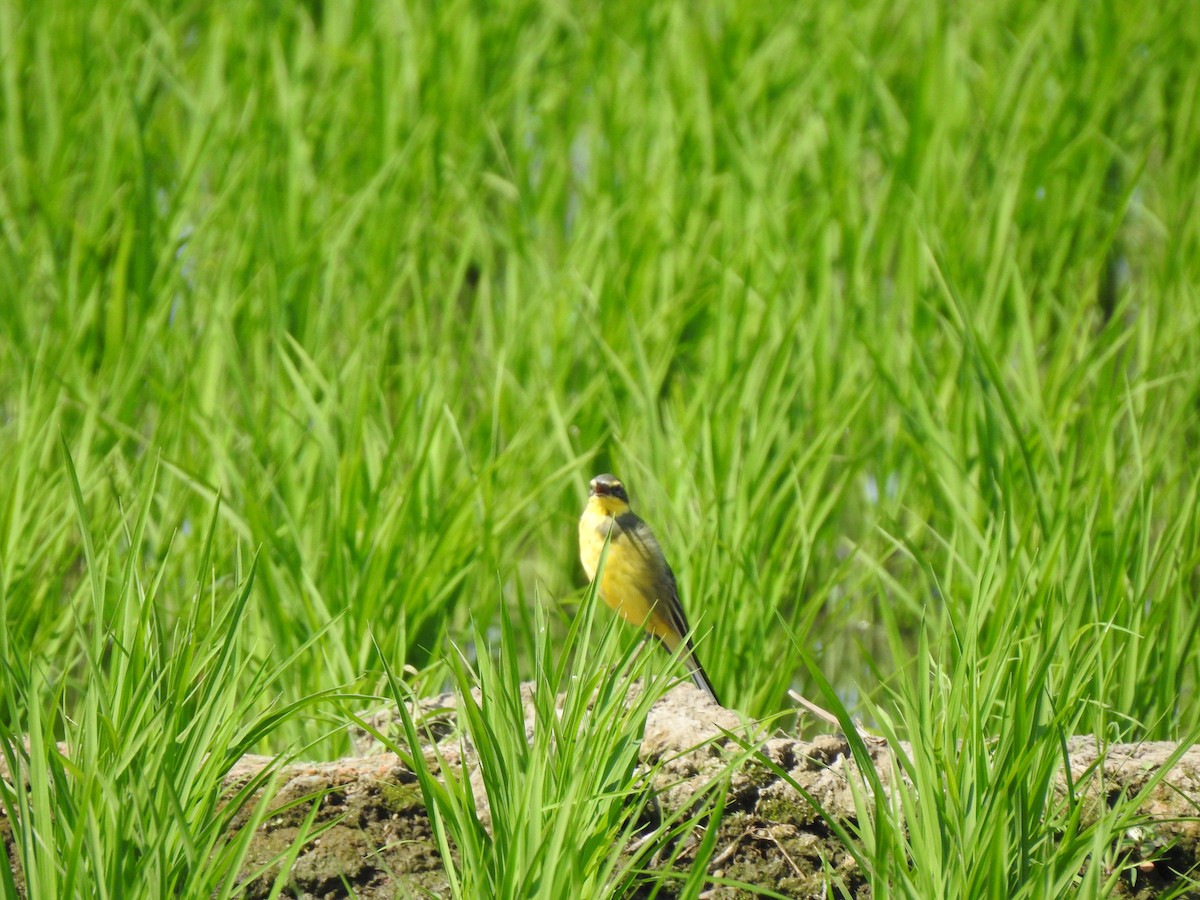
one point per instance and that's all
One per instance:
(693, 663)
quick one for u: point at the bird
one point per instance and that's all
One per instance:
(637, 583)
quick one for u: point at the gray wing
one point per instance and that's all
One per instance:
(633, 529)
(641, 538)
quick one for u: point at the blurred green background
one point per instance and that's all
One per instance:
(887, 313)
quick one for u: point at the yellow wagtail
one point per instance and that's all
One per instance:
(637, 582)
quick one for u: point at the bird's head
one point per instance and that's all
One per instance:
(607, 492)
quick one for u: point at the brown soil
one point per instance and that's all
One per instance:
(380, 843)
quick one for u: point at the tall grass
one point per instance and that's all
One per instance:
(132, 800)
(887, 314)
(553, 804)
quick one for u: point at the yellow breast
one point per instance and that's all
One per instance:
(594, 527)
(633, 571)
